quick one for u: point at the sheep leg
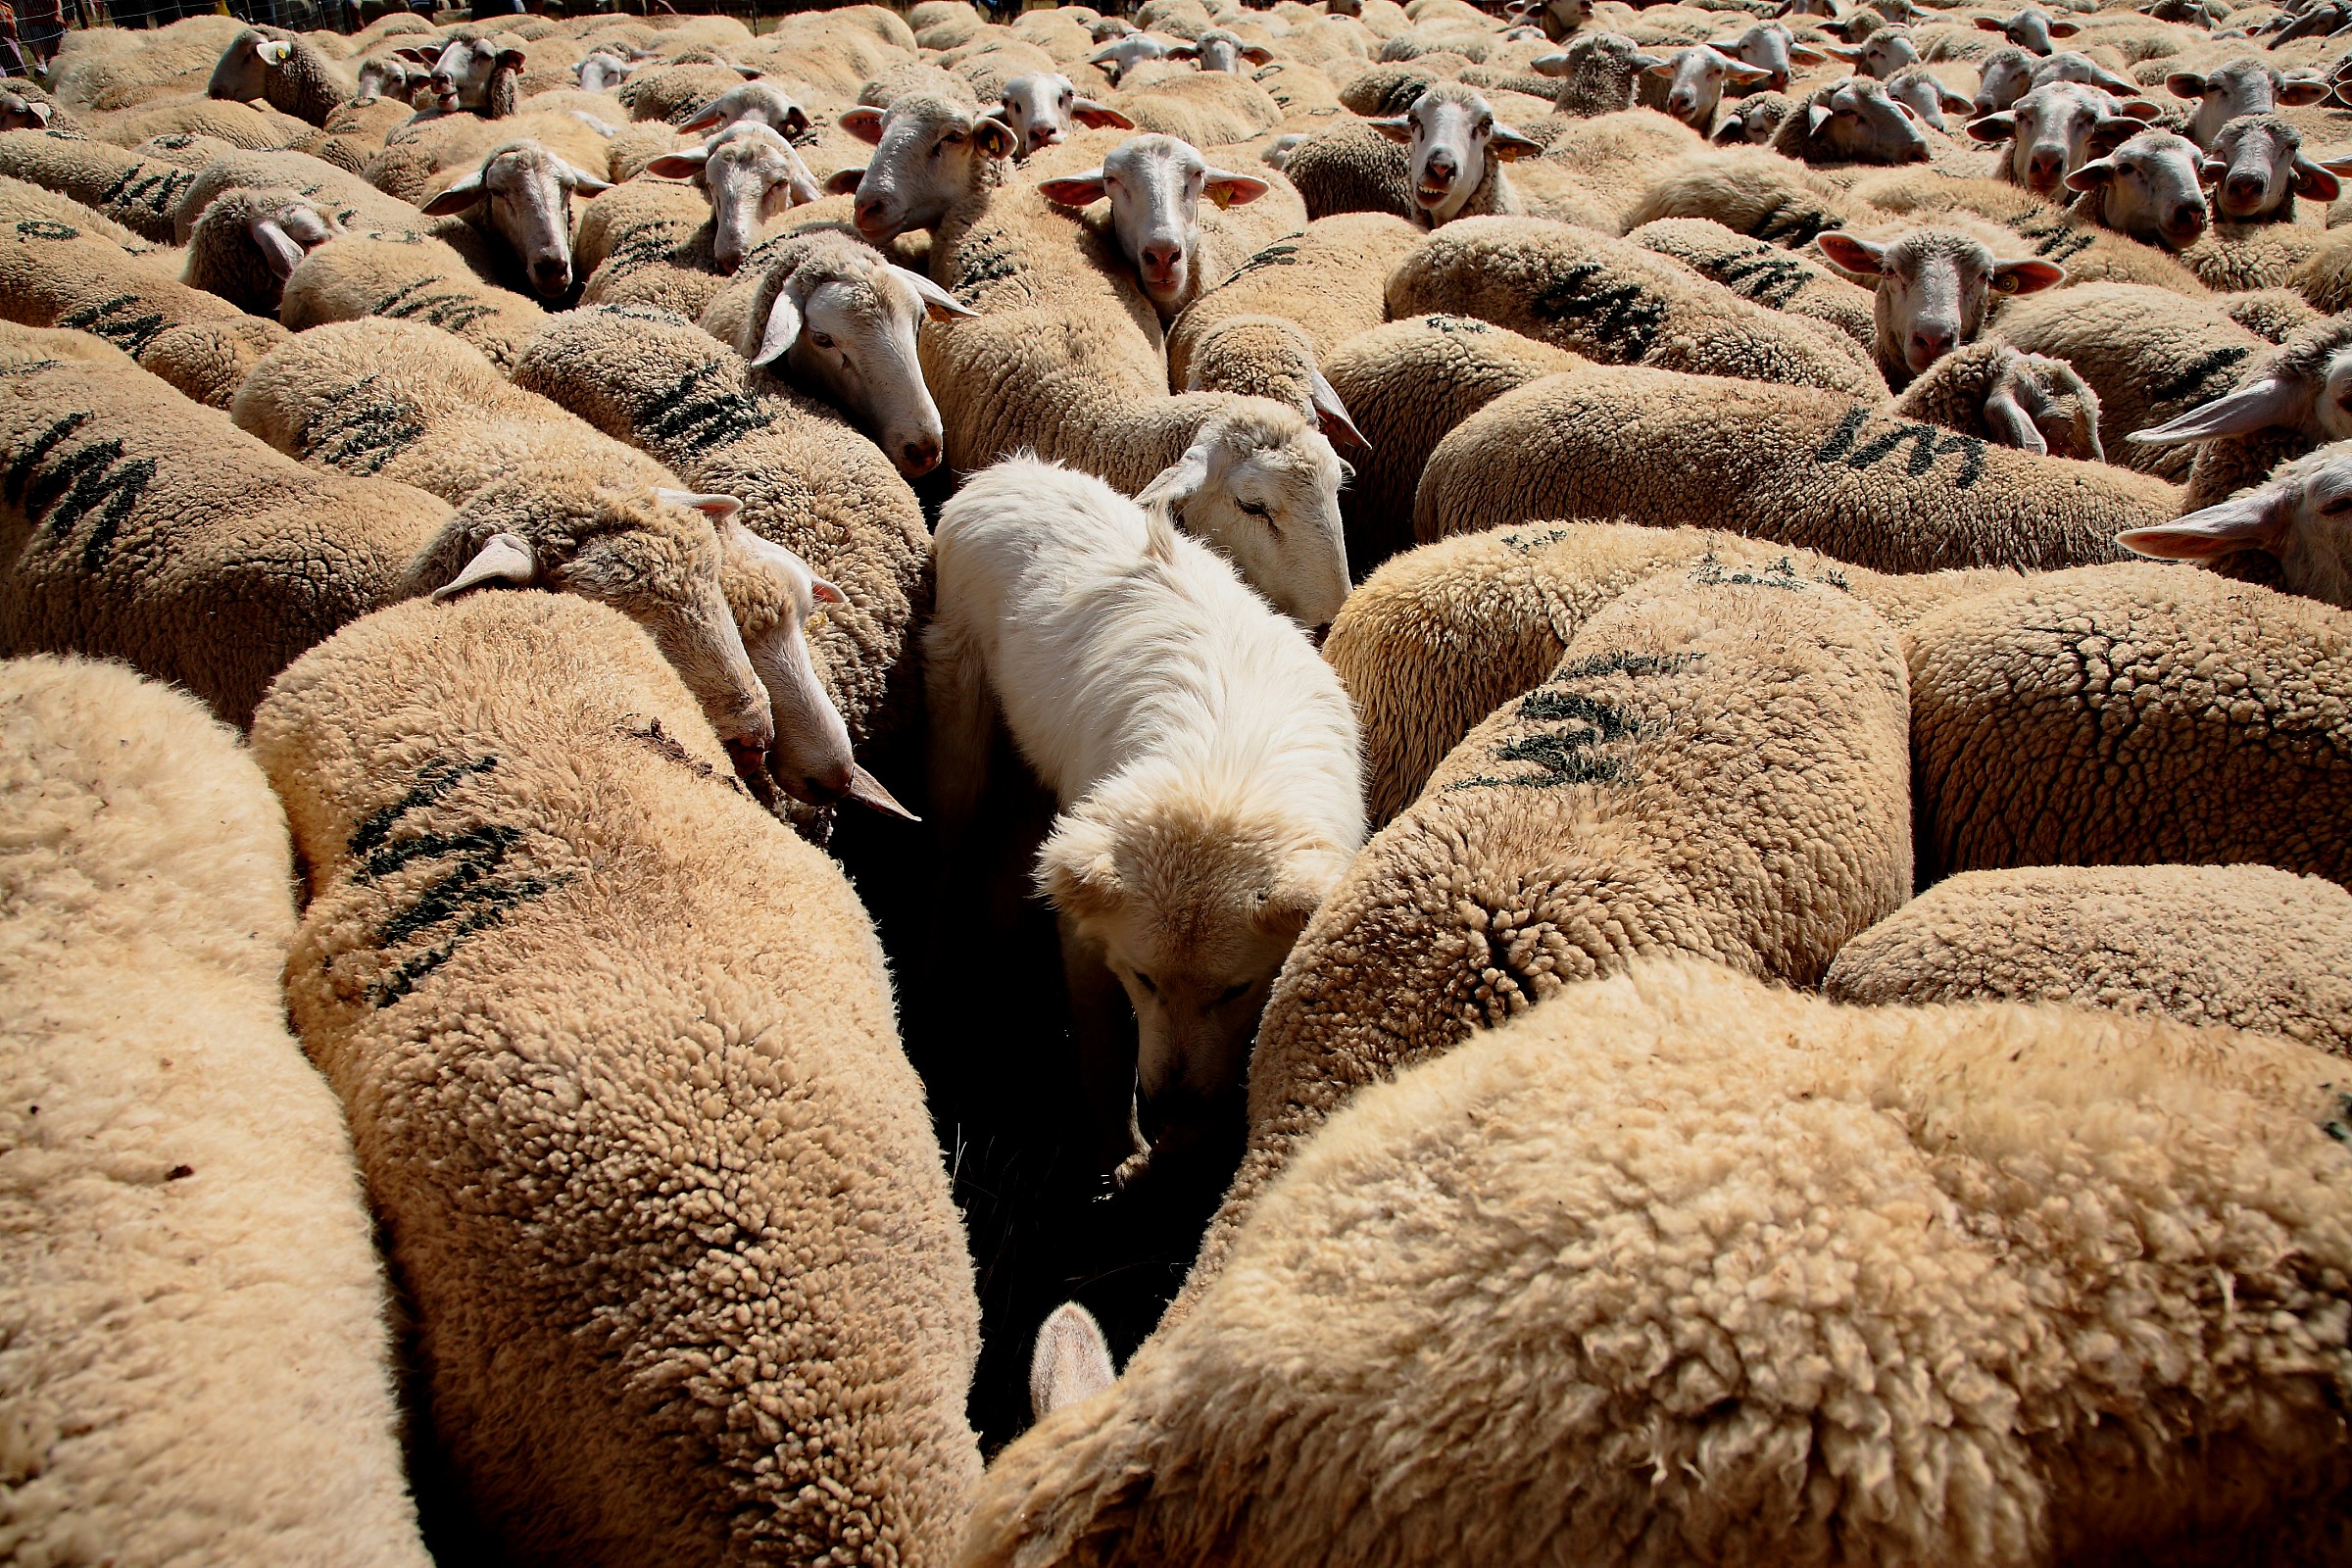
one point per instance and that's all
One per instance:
(1105, 1026)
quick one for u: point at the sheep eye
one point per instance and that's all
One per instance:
(1147, 982)
(2338, 507)
(821, 340)
(1231, 994)
(1262, 513)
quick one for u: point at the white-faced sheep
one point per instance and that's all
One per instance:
(750, 174)
(2284, 402)
(1689, 85)
(2055, 130)
(521, 193)
(1790, 1282)
(2031, 29)
(2257, 168)
(1203, 759)
(1042, 107)
(2132, 715)
(2149, 188)
(1933, 289)
(2300, 517)
(763, 102)
(2247, 947)
(1155, 186)
(1857, 121)
(2241, 87)
(186, 1258)
(1920, 90)
(478, 73)
(930, 154)
(1456, 150)
(619, 1055)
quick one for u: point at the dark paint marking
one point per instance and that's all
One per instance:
(1928, 443)
(113, 321)
(1626, 318)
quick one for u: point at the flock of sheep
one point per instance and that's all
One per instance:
(1440, 582)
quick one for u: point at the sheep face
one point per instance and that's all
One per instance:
(601, 70)
(2070, 65)
(929, 154)
(1770, 47)
(1155, 184)
(751, 174)
(283, 231)
(2148, 190)
(1262, 486)
(1452, 137)
(1042, 106)
(1219, 50)
(244, 66)
(2038, 403)
(1119, 57)
(529, 191)
(2003, 76)
(461, 77)
(2302, 515)
(20, 113)
(1933, 287)
(760, 103)
(1885, 52)
(1193, 911)
(1926, 97)
(846, 325)
(2308, 394)
(2239, 87)
(1752, 121)
(1858, 121)
(2031, 30)
(2055, 130)
(381, 76)
(2257, 166)
(1695, 79)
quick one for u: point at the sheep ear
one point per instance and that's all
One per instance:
(1952, 102)
(1554, 63)
(2256, 405)
(1662, 70)
(1805, 54)
(1232, 191)
(938, 303)
(1184, 51)
(757, 549)
(2090, 176)
(680, 165)
(1510, 145)
(868, 791)
(718, 508)
(2298, 91)
(1815, 118)
(783, 327)
(2140, 108)
(2211, 171)
(1258, 54)
(578, 180)
(415, 55)
(1398, 129)
(1332, 414)
(2028, 276)
(1098, 116)
(844, 181)
(504, 558)
(1861, 257)
(1287, 906)
(1993, 127)
(462, 194)
(1740, 71)
(277, 248)
(2112, 132)
(1073, 190)
(1075, 870)
(2255, 521)
(707, 115)
(274, 51)
(2185, 84)
(1178, 482)
(2006, 418)
(1071, 1361)
(1989, 24)
(864, 122)
(2315, 181)
(994, 137)
(2064, 29)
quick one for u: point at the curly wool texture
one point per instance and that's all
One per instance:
(1601, 166)
(54, 274)
(2134, 715)
(1952, 392)
(2232, 257)
(1749, 191)
(2242, 946)
(2272, 315)
(1617, 302)
(2225, 465)
(1789, 1283)
(408, 277)
(337, 193)
(246, 126)
(22, 201)
(139, 193)
(2090, 252)
(1787, 463)
(647, 242)
(1715, 767)
(1405, 385)
(2324, 277)
(186, 1266)
(1351, 167)
(1441, 637)
(97, 70)
(224, 261)
(1330, 280)
(1208, 108)
(1763, 272)
(149, 529)
(807, 479)
(619, 1061)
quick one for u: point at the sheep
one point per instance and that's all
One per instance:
(1594, 171)
(930, 155)
(1689, 84)
(2054, 130)
(1992, 392)
(249, 242)
(1790, 1282)
(2241, 945)
(762, 102)
(1773, 49)
(1330, 279)
(1779, 462)
(1040, 107)
(2293, 517)
(525, 193)
(1933, 288)
(2003, 76)
(1208, 109)
(1155, 184)
(1765, 274)
(136, 192)
(1918, 90)
(2147, 187)
(1220, 49)
(2234, 88)
(1068, 325)
(648, 243)
(1599, 74)
(806, 481)
(1350, 168)
(337, 193)
(1457, 149)
(24, 105)
(1751, 191)
(1269, 357)
(2111, 715)
(1208, 793)
(2090, 252)
(1123, 54)
(2257, 168)
(186, 1259)
(150, 529)
(2031, 29)
(283, 67)
(476, 74)
(721, 1306)
(1614, 301)
(603, 69)
(22, 200)
(750, 174)
(53, 275)
(1517, 595)
(1854, 120)
(1885, 52)
(1716, 767)
(405, 276)
(2284, 403)
(2272, 315)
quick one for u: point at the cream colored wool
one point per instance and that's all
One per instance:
(129, 67)
(223, 258)
(1952, 393)
(192, 153)
(1765, 274)
(1256, 357)
(150, 529)
(671, 93)
(139, 193)
(1350, 168)
(2325, 278)
(2090, 252)
(1329, 278)
(198, 1363)
(807, 478)
(246, 126)
(2234, 257)
(2272, 315)
(1405, 385)
(1299, 89)
(338, 194)
(1392, 86)
(652, 248)
(1749, 191)
(1441, 637)
(21, 200)
(620, 1060)
(1715, 767)
(2242, 946)
(1687, 1269)
(1612, 301)
(1612, 159)
(1208, 109)
(405, 276)
(2134, 715)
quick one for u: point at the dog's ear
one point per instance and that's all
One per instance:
(1076, 871)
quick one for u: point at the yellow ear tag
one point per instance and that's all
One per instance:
(1222, 197)
(2005, 285)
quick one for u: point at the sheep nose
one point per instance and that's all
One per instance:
(551, 274)
(1443, 167)
(874, 219)
(1928, 345)
(918, 457)
(826, 785)
(2185, 224)
(1162, 259)
(2243, 190)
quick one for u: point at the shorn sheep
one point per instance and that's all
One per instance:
(619, 1055)
(1788, 1282)
(1203, 759)
(2243, 945)
(187, 1268)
